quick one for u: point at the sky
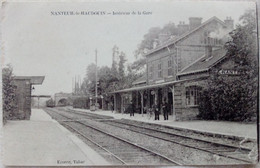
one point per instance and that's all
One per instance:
(37, 40)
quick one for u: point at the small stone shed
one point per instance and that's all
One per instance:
(23, 92)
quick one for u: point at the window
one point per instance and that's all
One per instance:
(192, 95)
(209, 40)
(169, 67)
(151, 72)
(160, 70)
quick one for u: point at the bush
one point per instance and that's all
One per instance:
(205, 111)
(228, 99)
(81, 102)
(234, 98)
(9, 97)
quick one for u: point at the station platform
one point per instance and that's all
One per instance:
(219, 128)
(42, 141)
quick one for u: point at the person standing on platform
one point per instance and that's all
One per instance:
(131, 109)
(156, 112)
(112, 107)
(165, 110)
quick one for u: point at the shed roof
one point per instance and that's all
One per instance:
(204, 63)
(140, 80)
(34, 80)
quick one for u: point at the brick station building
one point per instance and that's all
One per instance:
(178, 68)
(23, 94)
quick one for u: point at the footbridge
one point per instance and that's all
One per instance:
(65, 98)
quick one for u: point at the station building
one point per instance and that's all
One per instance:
(23, 94)
(178, 68)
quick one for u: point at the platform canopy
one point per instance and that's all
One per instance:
(41, 96)
(34, 80)
(148, 86)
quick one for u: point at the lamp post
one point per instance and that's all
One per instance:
(102, 98)
(96, 80)
(90, 103)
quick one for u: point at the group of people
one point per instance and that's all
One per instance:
(154, 110)
(164, 108)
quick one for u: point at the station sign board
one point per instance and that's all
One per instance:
(232, 72)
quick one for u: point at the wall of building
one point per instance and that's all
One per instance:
(194, 46)
(184, 52)
(23, 99)
(162, 57)
(184, 111)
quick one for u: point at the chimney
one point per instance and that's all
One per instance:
(229, 23)
(195, 22)
(182, 28)
(208, 51)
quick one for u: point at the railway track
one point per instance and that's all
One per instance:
(229, 151)
(88, 115)
(218, 149)
(190, 134)
(125, 151)
(101, 150)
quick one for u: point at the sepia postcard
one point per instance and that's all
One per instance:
(129, 83)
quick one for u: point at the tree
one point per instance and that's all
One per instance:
(152, 37)
(106, 78)
(243, 50)
(115, 52)
(170, 29)
(91, 73)
(121, 65)
(149, 40)
(117, 77)
(243, 46)
(131, 76)
(81, 102)
(139, 65)
(84, 87)
(9, 103)
(88, 85)
(235, 97)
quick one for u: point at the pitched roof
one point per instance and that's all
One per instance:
(175, 40)
(34, 80)
(204, 63)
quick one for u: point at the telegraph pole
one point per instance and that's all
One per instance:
(96, 79)
(72, 85)
(75, 85)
